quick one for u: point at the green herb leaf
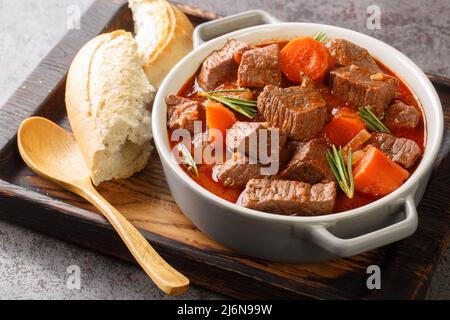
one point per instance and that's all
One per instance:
(243, 106)
(228, 90)
(187, 160)
(342, 172)
(320, 36)
(371, 120)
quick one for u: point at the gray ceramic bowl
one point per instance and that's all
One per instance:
(290, 238)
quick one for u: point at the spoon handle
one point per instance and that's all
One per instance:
(163, 275)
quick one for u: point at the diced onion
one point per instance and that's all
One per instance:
(358, 141)
(357, 156)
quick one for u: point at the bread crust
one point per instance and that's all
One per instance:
(78, 101)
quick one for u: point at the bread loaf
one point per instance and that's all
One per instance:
(163, 34)
(108, 99)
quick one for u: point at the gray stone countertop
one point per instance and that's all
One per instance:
(34, 266)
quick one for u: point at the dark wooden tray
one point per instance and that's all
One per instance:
(26, 199)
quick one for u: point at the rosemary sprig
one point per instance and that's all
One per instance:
(342, 172)
(250, 103)
(372, 121)
(243, 106)
(228, 90)
(320, 36)
(187, 160)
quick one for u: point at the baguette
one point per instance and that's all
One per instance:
(163, 34)
(107, 101)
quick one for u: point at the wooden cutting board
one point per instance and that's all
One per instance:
(26, 199)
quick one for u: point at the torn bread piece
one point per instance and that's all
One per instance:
(163, 34)
(108, 99)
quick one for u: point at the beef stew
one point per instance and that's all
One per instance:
(323, 139)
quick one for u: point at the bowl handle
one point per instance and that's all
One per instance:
(353, 246)
(215, 28)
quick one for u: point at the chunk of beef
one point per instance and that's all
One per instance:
(203, 149)
(289, 197)
(354, 84)
(308, 164)
(200, 141)
(236, 171)
(182, 113)
(260, 67)
(400, 150)
(249, 137)
(300, 112)
(400, 115)
(220, 66)
(347, 53)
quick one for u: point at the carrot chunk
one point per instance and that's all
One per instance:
(304, 55)
(344, 126)
(378, 175)
(220, 118)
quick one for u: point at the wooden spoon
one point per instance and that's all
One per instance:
(52, 152)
